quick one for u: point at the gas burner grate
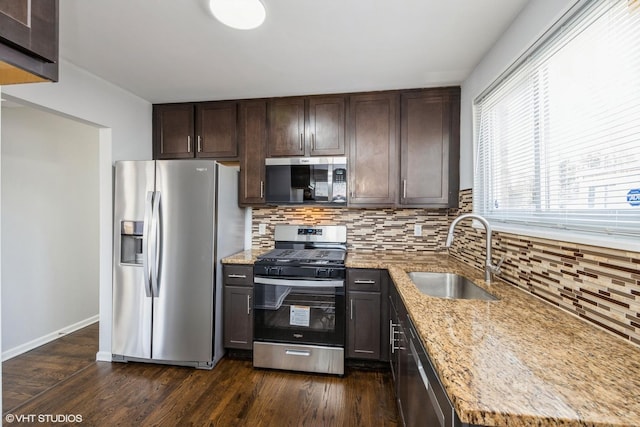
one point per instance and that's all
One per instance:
(305, 254)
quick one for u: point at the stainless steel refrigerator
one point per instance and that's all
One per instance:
(173, 222)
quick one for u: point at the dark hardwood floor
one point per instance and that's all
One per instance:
(34, 372)
(63, 378)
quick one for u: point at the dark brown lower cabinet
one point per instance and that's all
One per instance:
(364, 325)
(421, 398)
(394, 334)
(367, 333)
(238, 307)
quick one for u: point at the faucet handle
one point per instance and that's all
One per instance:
(496, 269)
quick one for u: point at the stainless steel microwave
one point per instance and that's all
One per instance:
(306, 180)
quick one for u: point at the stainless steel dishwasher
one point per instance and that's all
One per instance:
(426, 401)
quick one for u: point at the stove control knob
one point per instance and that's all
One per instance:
(273, 271)
(323, 272)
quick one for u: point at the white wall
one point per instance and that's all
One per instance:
(81, 95)
(1, 410)
(50, 221)
(536, 18)
(125, 122)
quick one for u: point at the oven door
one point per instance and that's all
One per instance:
(297, 310)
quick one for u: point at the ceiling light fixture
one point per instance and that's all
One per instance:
(238, 14)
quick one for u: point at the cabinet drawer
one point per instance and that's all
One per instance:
(239, 275)
(363, 280)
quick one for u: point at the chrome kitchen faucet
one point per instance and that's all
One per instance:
(489, 268)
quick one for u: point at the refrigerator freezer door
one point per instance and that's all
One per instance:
(131, 331)
(183, 305)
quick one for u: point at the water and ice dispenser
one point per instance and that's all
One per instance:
(131, 242)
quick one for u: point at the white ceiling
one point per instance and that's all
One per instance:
(174, 50)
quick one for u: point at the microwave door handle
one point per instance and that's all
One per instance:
(146, 237)
(330, 183)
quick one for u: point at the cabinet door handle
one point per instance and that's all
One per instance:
(391, 334)
(364, 282)
(404, 188)
(313, 142)
(188, 143)
(237, 276)
(297, 353)
(351, 308)
(248, 304)
(301, 138)
(199, 144)
(412, 334)
(262, 189)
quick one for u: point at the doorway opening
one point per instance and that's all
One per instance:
(50, 226)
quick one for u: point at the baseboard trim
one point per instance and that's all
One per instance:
(23, 348)
(103, 356)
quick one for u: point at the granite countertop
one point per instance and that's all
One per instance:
(249, 256)
(517, 361)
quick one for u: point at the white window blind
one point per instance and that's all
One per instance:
(558, 138)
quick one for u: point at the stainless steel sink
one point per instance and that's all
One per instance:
(448, 285)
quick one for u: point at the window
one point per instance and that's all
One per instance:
(558, 137)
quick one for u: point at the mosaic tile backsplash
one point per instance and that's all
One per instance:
(600, 285)
(367, 229)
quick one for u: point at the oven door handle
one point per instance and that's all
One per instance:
(299, 282)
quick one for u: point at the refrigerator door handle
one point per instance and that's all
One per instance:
(146, 261)
(157, 245)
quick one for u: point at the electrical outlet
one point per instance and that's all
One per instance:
(262, 229)
(417, 230)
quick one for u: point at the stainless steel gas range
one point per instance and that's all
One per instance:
(299, 300)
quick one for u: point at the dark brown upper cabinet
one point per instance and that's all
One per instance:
(252, 134)
(173, 131)
(202, 130)
(306, 126)
(28, 41)
(216, 130)
(286, 127)
(429, 147)
(326, 126)
(402, 147)
(373, 149)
